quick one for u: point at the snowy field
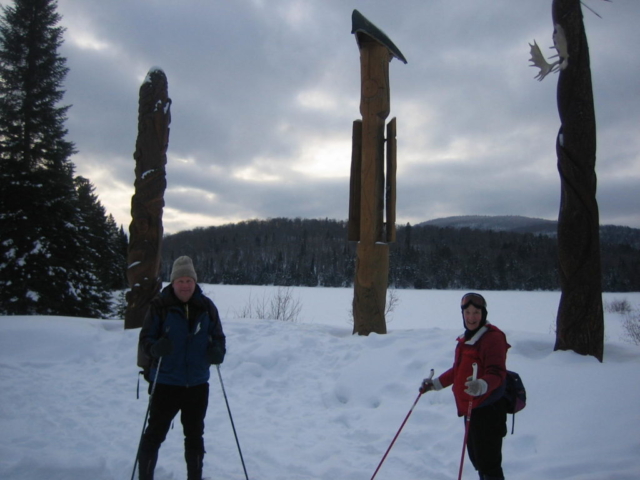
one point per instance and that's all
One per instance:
(310, 401)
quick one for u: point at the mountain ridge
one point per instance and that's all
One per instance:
(507, 223)
(498, 223)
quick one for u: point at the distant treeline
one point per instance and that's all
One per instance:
(297, 252)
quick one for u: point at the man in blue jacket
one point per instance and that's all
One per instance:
(183, 330)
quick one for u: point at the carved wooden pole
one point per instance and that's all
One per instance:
(580, 321)
(145, 231)
(367, 195)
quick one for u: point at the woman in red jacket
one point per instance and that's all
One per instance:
(486, 346)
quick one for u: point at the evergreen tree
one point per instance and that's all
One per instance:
(103, 238)
(45, 258)
(121, 246)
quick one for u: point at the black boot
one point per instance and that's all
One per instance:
(194, 459)
(147, 463)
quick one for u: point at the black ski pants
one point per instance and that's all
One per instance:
(167, 401)
(487, 428)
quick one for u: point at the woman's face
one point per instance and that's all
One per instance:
(472, 317)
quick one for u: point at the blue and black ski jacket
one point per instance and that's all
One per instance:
(193, 328)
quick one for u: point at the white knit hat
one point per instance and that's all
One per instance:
(183, 267)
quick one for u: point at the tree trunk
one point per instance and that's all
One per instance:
(580, 321)
(370, 288)
(145, 231)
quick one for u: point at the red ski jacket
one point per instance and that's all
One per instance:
(488, 348)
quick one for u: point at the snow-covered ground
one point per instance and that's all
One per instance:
(311, 401)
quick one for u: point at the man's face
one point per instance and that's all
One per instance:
(184, 287)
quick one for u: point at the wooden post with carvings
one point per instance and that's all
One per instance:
(580, 320)
(368, 189)
(145, 230)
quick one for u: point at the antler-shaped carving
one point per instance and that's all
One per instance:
(560, 45)
(539, 61)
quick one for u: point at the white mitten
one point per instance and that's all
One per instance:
(475, 388)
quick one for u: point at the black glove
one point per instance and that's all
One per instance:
(215, 354)
(162, 347)
(429, 384)
(426, 385)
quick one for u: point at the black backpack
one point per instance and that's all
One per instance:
(515, 394)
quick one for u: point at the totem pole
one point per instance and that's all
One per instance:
(368, 191)
(580, 319)
(145, 231)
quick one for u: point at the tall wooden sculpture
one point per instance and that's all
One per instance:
(368, 190)
(145, 231)
(580, 319)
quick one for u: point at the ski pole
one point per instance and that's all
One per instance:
(467, 421)
(232, 424)
(399, 430)
(153, 389)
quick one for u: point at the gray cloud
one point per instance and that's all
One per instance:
(265, 91)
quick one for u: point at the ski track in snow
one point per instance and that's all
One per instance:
(312, 402)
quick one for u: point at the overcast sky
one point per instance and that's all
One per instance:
(264, 95)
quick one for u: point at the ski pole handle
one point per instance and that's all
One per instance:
(475, 371)
(427, 383)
